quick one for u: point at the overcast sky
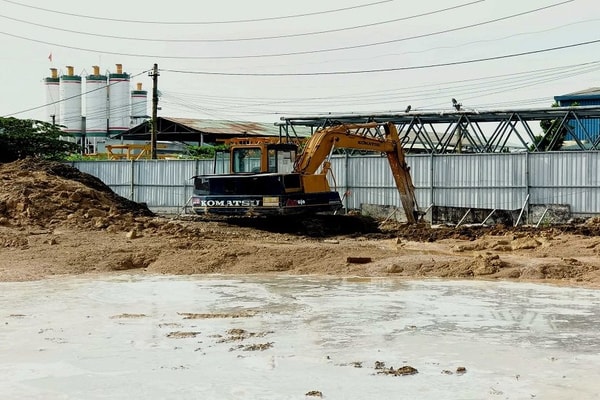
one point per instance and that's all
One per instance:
(263, 59)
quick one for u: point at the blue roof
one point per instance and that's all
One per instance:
(590, 93)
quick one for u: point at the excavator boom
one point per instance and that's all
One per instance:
(367, 137)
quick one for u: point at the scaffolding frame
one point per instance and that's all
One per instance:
(461, 131)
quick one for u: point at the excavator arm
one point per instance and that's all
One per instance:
(361, 137)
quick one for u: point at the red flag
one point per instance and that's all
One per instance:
(50, 57)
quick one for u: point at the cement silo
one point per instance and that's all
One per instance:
(139, 105)
(118, 101)
(70, 106)
(96, 109)
(52, 83)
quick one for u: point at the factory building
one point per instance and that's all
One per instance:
(587, 129)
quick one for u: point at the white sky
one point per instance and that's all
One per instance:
(413, 45)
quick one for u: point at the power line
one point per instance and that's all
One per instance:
(367, 71)
(541, 76)
(472, 81)
(200, 22)
(496, 39)
(244, 106)
(287, 36)
(290, 53)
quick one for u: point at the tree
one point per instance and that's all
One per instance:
(553, 137)
(21, 138)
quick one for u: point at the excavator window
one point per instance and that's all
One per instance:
(285, 161)
(272, 160)
(246, 160)
(201, 185)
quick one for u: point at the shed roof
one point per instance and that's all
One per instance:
(198, 130)
(228, 127)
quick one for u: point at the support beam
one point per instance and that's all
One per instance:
(433, 131)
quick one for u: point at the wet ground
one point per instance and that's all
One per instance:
(211, 337)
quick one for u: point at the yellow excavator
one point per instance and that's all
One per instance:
(267, 178)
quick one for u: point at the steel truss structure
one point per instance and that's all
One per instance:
(462, 131)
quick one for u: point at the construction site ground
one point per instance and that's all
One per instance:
(55, 220)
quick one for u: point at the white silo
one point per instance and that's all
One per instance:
(139, 105)
(52, 83)
(70, 98)
(96, 111)
(118, 101)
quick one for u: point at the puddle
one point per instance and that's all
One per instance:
(296, 338)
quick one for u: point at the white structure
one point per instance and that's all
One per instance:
(139, 105)
(118, 101)
(52, 84)
(70, 98)
(110, 106)
(96, 111)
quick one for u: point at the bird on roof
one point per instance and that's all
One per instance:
(407, 108)
(456, 104)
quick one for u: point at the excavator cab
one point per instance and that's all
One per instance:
(262, 158)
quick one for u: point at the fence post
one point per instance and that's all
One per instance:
(431, 178)
(346, 189)
(527, 184)
(132, 186)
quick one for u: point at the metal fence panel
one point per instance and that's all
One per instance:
(480, 180)
(118, 175)
(422, 177)
(369, 180)
(163, 184)
(566, 178)
(500, 181)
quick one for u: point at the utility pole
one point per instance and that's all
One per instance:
(154, 74)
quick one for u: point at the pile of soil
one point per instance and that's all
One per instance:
(45, 193)
(56, 220)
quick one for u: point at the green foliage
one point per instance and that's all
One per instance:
(553, 137)
(204, 152)
(86, 157)
(21, 138)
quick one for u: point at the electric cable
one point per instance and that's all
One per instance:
(305, 52)
(129, 21)
(240, 39)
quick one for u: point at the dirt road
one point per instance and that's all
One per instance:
(56, 220)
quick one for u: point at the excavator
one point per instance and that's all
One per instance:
(268, 177)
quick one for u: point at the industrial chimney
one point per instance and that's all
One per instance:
(139, 105)
(52, 84)
(118, 101)
(96, 110)
(70, 98)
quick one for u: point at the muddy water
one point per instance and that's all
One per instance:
(281, 338)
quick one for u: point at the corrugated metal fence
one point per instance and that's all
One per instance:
(490, 181)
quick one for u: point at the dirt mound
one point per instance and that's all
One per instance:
(46, 193)
(55, 219)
